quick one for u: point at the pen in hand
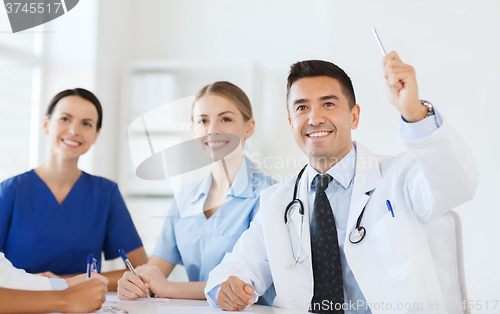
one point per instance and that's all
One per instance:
(378, 41)
(90, 262)
(129, 265)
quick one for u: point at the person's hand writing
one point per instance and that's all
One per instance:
(131, 287)
(85, 297)
(401, 88)
(235, 294)
(157, 282)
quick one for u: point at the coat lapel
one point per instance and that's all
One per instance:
(366, 179)
(287, 289)
(295, 219)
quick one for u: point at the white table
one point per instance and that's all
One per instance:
(175, 306)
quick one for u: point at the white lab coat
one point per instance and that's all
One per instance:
(393, 264)
(13, 278)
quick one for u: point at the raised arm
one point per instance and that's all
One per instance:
(401, 88)
(445, 175)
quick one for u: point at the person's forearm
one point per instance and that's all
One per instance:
(21, 301)
(185, 290)
(113, 277)
(137, 257)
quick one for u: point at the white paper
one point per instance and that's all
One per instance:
(114, 298)
(186, 309)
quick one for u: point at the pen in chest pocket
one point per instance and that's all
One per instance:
(389, 207)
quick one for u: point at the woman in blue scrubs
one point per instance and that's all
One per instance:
(206, 218)
(54, 216)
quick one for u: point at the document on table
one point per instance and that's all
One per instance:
(114, 298)
(187, 309)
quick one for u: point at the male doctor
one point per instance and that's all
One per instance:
(364, 246)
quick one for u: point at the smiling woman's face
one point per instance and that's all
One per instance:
(220, 125)
(72, 127)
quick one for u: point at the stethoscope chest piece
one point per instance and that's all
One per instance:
(357, 235)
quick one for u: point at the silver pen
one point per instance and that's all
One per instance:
(129, 265)
(379, 42)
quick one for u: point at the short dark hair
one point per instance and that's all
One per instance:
(80, 92)
(313, 68)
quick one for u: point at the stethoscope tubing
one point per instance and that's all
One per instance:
(358, 237)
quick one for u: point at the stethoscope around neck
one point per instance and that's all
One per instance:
(356, 236)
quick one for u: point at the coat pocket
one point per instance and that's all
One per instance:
(397, 245)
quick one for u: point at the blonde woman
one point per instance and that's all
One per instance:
(226, 201)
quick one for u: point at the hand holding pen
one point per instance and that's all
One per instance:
(401, 85)
(92, 266)
(131, 268)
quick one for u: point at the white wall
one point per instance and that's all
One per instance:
(69, 61)
(454, 46)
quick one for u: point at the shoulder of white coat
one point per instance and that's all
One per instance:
(366, 160)
(276, 192)
(387, 163)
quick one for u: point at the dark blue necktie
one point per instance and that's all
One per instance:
(327, 268)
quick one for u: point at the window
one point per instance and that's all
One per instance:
(19, 100)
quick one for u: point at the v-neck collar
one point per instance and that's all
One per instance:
(193, 197)
(242, 186)
(50, 191)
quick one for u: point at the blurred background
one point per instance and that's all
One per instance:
(138, 55)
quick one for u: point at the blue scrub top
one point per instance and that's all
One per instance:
(190, 239)
(37, 234)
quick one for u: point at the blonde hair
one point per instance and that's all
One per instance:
(232, 92)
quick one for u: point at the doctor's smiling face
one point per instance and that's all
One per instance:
(321, 119)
